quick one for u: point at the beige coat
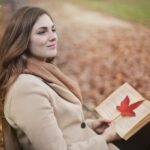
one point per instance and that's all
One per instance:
(45, 121)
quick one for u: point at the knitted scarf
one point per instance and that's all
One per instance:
(57, 80)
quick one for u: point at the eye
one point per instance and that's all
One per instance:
(53, 29)
(41, 32)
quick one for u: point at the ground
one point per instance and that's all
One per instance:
(100, 52)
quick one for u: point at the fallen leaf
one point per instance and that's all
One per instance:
(126, 109)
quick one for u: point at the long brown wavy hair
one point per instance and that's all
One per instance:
(14, 45)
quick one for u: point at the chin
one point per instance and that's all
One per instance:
(54, 53)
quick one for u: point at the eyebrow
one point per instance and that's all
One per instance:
(46, 27)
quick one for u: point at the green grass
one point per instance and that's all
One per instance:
(1, 2)
(133, 10)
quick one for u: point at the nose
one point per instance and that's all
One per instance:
(53, 36)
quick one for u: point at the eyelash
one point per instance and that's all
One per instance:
(42, 32)
(53, 30)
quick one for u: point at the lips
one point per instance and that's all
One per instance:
(52, 45)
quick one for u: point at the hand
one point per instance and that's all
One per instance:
(110, 134)
(100, 125)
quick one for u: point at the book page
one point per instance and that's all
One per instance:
(107, 109)
(125, 124)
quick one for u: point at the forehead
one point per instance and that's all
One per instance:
(43, 21)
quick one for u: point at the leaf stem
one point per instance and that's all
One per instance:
(116, 117)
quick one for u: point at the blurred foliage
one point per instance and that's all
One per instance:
(1, 2)
(132, 10)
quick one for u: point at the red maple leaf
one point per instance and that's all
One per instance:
(126, 109)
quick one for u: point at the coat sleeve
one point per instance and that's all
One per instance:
(34, 114)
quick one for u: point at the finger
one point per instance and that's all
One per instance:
(100, 122)
(104, 120)
(101, 129)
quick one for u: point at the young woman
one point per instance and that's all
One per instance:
(40, 102)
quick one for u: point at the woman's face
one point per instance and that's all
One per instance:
(43, 40)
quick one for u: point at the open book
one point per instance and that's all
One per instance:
(126, 125)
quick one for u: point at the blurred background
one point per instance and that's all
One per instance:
(102, 43)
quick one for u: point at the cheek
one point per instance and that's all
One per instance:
(38, 41)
